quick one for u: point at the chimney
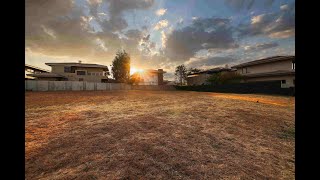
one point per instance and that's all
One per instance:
(79, 62)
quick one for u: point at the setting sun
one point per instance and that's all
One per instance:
(134, 70)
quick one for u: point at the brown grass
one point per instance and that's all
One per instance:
(158, 135)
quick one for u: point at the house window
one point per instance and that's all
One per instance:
(67, 69)
(80, 79)
(293, 66)
(244, 70)
(73, 69)
(81, 72)
(283, 81)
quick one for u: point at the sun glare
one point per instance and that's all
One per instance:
(135, 70)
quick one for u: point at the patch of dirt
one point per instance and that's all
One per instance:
(273, 100)
(158, 135)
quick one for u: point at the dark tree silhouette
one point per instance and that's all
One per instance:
(181, 74)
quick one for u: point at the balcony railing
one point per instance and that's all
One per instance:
(97, 74)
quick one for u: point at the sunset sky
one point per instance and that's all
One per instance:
(158, 33)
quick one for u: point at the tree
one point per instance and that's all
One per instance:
(121, 67)
(135, 79)
(215, 78)
(223, 78)
(181, 74)
(193, 70)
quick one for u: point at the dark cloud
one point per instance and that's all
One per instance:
(260, 47)
(116, 22)
(209, 33)
(61, 28)
(239, 4)
(146, 45)
(146, 38)
(279, 24)
(110, 40)
(57, 28)
(131, 43)
(93, 7)
(286, 19)
(144, 28)
(116, 7)
(257, 25)
(134, 34)
(42, 12)
(246, 4)
(152, 45)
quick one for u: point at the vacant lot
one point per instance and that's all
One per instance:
(158, 135)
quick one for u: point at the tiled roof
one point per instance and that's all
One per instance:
(78, 65)
(36, 68)
(210, 71)
(45, 75)
(154, 71)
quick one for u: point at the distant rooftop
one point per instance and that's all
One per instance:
(155, 71)
(217, 69)
(265, 60)
(211, 71)
(78, 65)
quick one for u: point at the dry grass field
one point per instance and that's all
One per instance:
(158, 135)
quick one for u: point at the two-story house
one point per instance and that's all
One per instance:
(28, 69)
(200, 78)
(75, 72)
(268, 69)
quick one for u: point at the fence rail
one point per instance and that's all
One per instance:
(34, 85)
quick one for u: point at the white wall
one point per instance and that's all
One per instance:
(267, 67)
(149, 79)
(89, 86)
(102, 86)
(32, 85)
